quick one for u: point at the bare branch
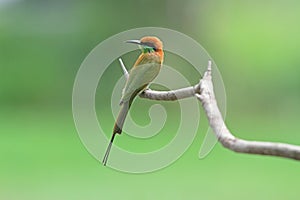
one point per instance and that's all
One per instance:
(216, 122)
(204, 92)
(169, 95)
(124, 68)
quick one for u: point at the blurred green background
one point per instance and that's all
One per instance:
(255, 44)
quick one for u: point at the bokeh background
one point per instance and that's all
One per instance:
(255, 44)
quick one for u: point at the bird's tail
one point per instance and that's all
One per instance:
(121, 118)
(117, 128)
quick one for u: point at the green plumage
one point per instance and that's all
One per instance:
(141, 75)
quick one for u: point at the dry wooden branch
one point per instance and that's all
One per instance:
(204, 92)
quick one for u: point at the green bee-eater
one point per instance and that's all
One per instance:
(145, 69)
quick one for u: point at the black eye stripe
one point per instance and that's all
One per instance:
(149, 44)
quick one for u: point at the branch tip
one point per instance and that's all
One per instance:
(208, 71)
(123, 68)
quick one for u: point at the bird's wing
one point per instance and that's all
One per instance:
(139, 77)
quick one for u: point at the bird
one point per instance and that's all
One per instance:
(143, 72)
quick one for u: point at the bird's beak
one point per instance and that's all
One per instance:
(134, 42)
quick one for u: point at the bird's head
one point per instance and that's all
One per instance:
(148, 44)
